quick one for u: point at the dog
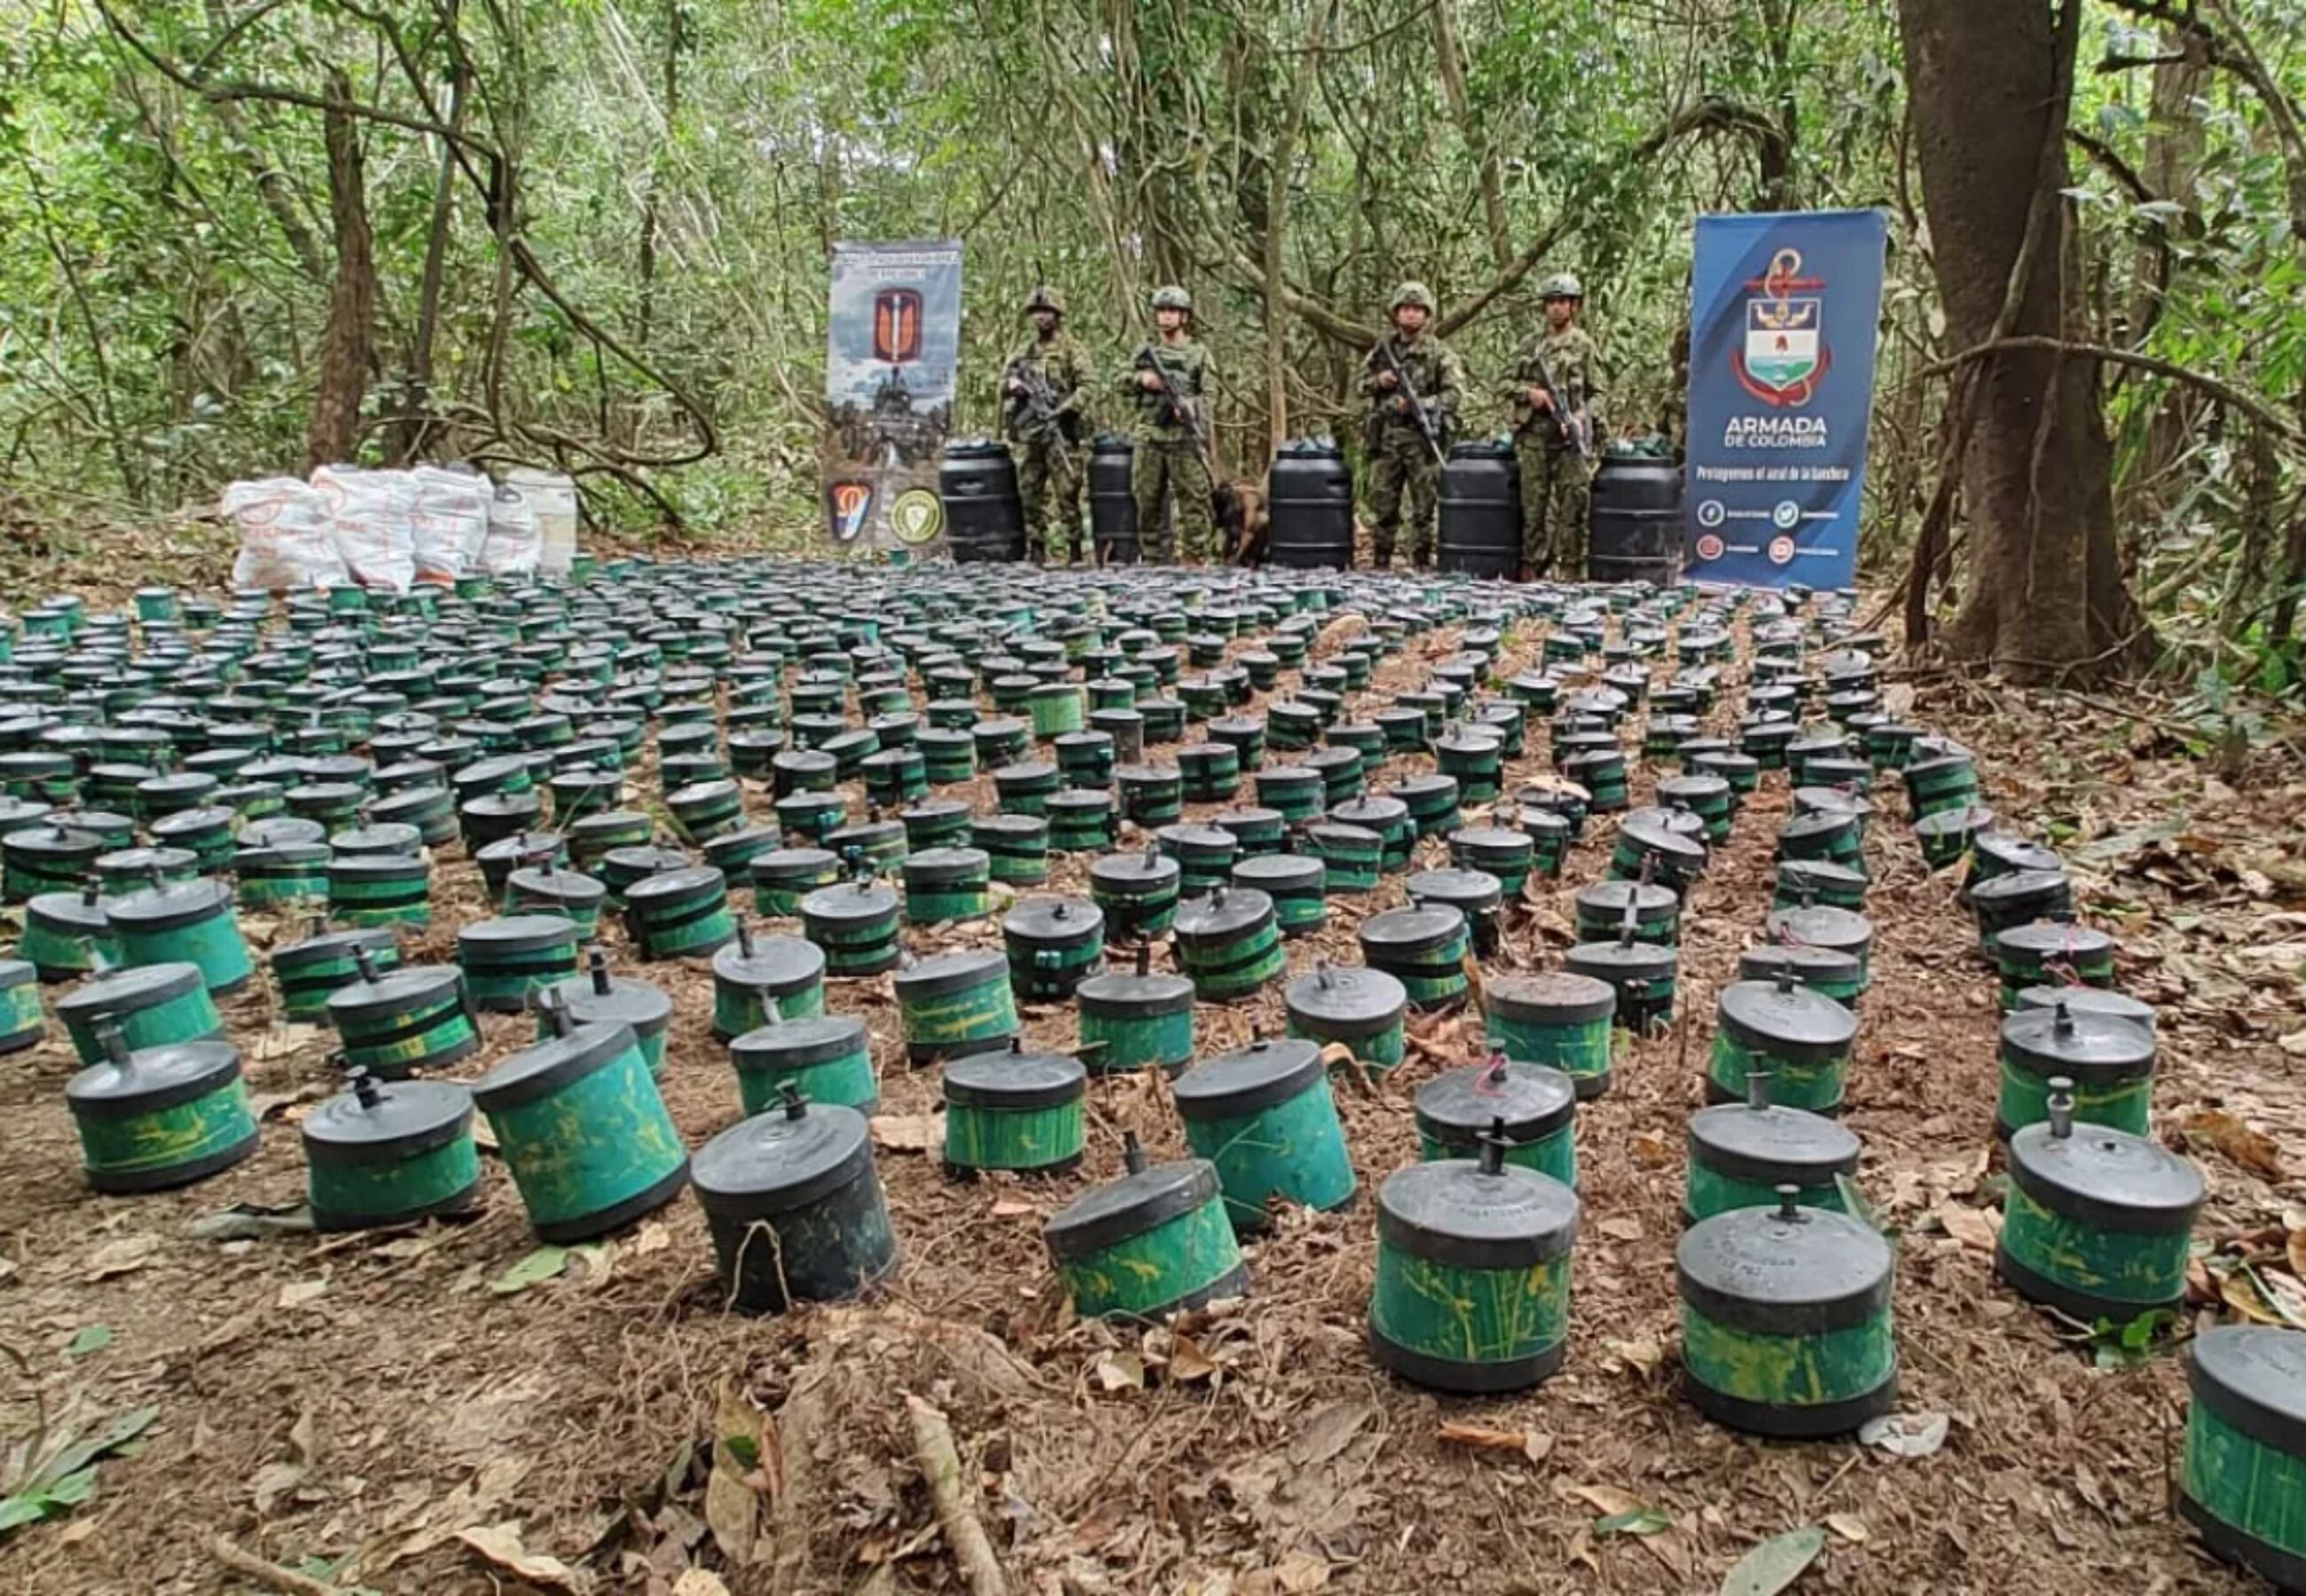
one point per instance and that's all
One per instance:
(1244, 522)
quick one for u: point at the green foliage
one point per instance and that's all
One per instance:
(59, 1474)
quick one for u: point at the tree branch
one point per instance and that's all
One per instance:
(2226, 393)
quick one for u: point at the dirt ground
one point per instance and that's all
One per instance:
(347, 1406)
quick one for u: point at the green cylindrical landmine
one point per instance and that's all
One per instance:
(1011, 1110)
(1390, 818)
(1940, 781)
(956, 1003)
(1601, 912)
(191, 923)
(1890, 744)
(1474, 893)
(1000, 741)
(1085, 759)
(1602, 772)
(336, 804)
(596, 997)
(1837, 974)
(1994, 853)
(1426, 950)
(1025, 788)
(1707, 796)
(307, 972)
(1154, 1242)
(1293, 791)
(947, 883)
(582, 1128)
(46, 858)
(935, 823)
(2109, 1061)
(432, 810)
(1471, 1292)
(1765, 743)
(1802, 1037)
(807, 817)
(285, 874)
(679, 914)
(2049, 950)
(1358, 1009)
(1403, 728)
(2241, 1478)
(1210, 772)
(507, 959)
(1058, 708)
(947, 754)
(896, 776)
(704, 809)
(1264, 1117)
(23, 1023)
(1531, 1108)
(151, 1118)
(127, 869)
(68, 934)
(795, 1207)
(1474, 760)
(1130, 1022)
(544, 890)
(1351, 856)
(1505, 855)
(1431, 802)
(1741, 772)
(1821, 926)
(1834, 836)
(1297, 885)
(393, 1023)
(379, 889)
(1054, 944)
(390, 1154)
(1643, 975)
(1646, 849)
(826, 1058)
(875, 844)
(1785, 1319)
(156, 1006)
(2019, 898)
(2096, 1224)
(1137, 892)
(1342, 772)
(1741, 1153)
(1081, 821)
(752, 975)
(856, 924)
(1548, 836)
(522, 850)
(1823, 882)
(1204, 855)
(594, 837)
(1557, 1019)
(1151, 796)
(1255, 830)
(1018, 845)
(1229, 943)
(783, 877)
(2092, 1001)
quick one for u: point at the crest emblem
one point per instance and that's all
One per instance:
(849, 504)
(1784, 356)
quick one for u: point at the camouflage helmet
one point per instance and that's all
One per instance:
(1411, 293)
(1561, 285)
(1045, 298)
(1171, 297)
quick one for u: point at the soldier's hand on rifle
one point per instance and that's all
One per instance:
(1150, 381)
(1017, 386)
(1388, 381)
(1401, 405)
(1541, 400)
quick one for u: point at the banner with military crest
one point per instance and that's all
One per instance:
(892, 359)
(1783, 312)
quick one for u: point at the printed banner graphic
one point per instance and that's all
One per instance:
(893, 345)
(1783, 311)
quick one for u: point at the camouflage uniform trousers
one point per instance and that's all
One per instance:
(1402, 466)
(1167, 469)
(1049, 480)
(1553, 508)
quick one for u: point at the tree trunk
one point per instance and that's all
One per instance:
(332, 432)
(2045, 595)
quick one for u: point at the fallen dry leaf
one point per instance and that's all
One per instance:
(501, 1544)
(1329, 1431)
(1188, 1362)
(1975, 1228)
(2247, 1148)
(1608, 1500)
(2294, 1043)
(1481, 1436)
(297, 1293)
(1301, 1571)
(1622, 1228)
(1643, 1352)
(1651, 1150)
(123, 1256)
(731, 1506)
(699, 1582)
(2296, 1248)
(907, 1132)
(1011, 1208)
(653, 1238)
(1849, 1527)
(1121, 1371)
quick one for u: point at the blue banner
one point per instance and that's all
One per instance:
(1783, 310)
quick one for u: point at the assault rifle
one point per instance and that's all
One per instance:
(1176, 409)
(1420, 417)
(1574, 432)
(1039, 408)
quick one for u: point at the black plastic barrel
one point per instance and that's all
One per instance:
(1112, 501)
(1309, 496)
(1636, 526)
(984, 518)
(1480, 511)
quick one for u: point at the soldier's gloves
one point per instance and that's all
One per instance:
(1387, 380)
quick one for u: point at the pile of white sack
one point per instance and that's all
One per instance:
(382, 530)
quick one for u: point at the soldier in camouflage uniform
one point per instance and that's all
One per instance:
(1554, 448)
(1402, 458)
(1044, 386)
(1169, 379)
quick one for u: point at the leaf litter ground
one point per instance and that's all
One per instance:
(381, 1411)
